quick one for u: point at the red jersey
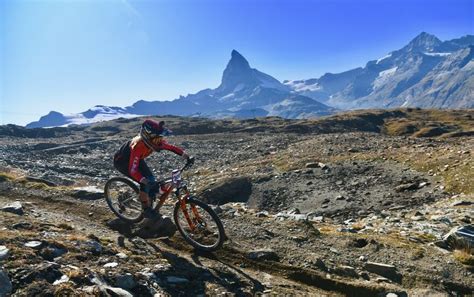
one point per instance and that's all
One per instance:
(137, 150)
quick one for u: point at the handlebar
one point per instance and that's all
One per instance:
(188, 164)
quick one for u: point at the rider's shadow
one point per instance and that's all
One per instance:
(146, 229)
(227, 276)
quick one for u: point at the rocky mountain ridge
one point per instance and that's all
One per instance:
(425, 73)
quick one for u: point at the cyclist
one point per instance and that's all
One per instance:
(129, 160)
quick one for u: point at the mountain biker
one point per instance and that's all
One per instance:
(129, 160)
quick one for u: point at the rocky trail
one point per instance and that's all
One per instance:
(305, 213)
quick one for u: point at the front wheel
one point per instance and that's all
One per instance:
(121, 195)
(199, 224)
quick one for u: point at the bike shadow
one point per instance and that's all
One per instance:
(147, 229)
(219, 274)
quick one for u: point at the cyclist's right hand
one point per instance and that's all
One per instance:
(190, 161)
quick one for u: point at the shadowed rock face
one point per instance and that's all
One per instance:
(231, 190)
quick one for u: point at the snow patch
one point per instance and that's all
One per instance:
(227, 97)
(437, 54)
(301, 86)
(383, 77)
(79, 119)
(384, 57)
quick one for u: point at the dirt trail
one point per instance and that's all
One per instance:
(225, 271)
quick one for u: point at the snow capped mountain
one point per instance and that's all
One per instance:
(96, 114)
(412, 76)
(244, 92)
(427, 72)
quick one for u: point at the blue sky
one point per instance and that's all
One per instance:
(71, 55)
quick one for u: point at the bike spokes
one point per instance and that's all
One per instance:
(199, 225)
(123, 199)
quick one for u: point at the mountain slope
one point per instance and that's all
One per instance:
(425, 73)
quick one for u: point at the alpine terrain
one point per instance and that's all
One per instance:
(362, 203)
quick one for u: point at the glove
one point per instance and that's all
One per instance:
(190, 161)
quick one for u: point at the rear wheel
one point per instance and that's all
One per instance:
(199, 225)
(121, 195)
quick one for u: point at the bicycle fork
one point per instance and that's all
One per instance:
(186, 214)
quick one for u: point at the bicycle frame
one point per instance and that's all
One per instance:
(171, 185)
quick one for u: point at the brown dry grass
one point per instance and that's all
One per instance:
(464, 256)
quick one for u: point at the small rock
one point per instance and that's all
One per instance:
(93, 246)
(334, 250)
(299, 217)
(346, 271)
(461, 203)
(320, 264)
(126, 281)
(322, 165)
(5, 283)
(417, 218)
(264, 254)
(64, 278)
(311, 165)
(4, 252)
(406, 187)
(262, 214)
(385, 270)
(340, 197)
(111, 265)
(294, 211)
(422, 184)
(111, 291)
(121, 255)
(176, 280)
(34, 244)
(22, 225)
(391, 295)
(316, 218)
(14, 207)
(88, 193)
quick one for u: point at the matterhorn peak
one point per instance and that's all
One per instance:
(237, 71)
(237, 60)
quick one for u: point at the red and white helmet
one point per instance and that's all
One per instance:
(152, 133)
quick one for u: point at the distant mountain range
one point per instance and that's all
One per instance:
(425, 73)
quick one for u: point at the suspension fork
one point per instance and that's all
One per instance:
(183, 204)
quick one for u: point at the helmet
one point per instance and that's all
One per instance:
(152, 133)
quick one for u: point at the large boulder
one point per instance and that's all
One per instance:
(461, 237)
(162, 227)
(229, 190)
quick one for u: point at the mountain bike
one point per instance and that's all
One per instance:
(195, 220)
